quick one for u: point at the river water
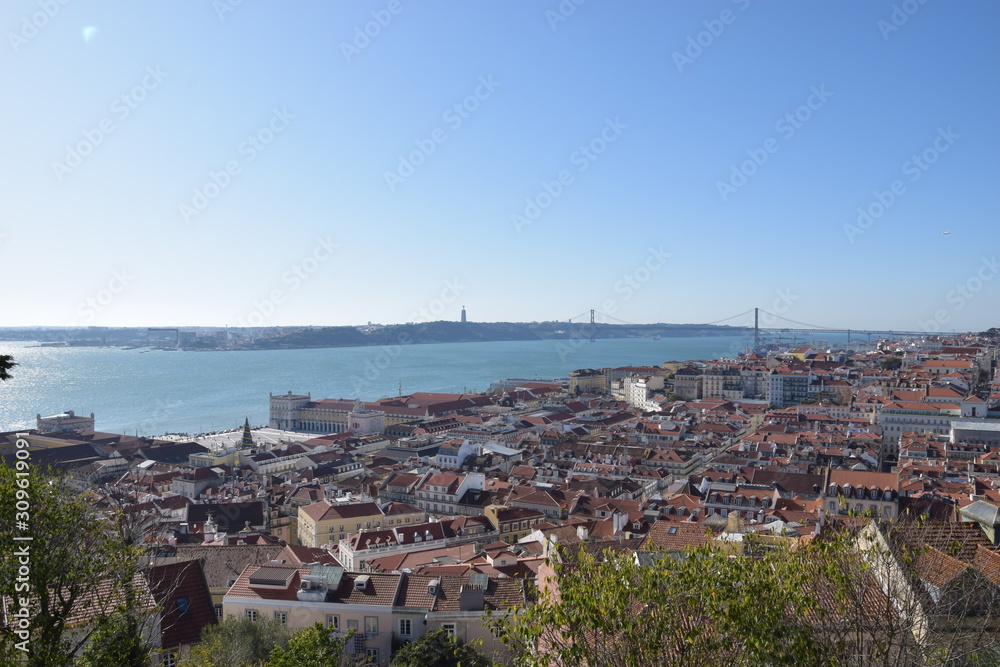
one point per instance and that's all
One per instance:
(155, 392)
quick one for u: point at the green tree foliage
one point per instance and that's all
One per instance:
(237, 641)
(75, 572)
(6, 363)
(437, 649)
(703, 608)
(888, 594)
(891, 363)
(117, 640)
(315, 646)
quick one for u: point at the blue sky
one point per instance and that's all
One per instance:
(271, 164)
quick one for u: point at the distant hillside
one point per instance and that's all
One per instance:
(458, 332)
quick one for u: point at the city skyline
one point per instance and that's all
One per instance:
(235, 164)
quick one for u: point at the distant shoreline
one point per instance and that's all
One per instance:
(299, 338)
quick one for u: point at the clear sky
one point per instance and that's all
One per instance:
(271, 163)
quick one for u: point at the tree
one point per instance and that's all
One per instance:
(674, 397)
(438, 649)
(6, 363)
(238, 641)
(68, 574)
(891, 363)
(888, 593)
(703, 607)
(315, 646)
(118, 640)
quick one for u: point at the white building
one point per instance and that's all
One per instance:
(285, 410)
(362, 422)
(637, 388)
(65, 422)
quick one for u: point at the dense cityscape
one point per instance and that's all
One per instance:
(568, 333)
(389, 519)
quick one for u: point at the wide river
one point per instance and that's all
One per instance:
(156, 392)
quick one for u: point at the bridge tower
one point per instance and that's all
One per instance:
(756, 329)
(591, 325)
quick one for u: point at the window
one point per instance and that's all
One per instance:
(169, 660)
(333, 621)
(404, 627)
(449, 629)
(352, 624)
(218, 611)
(281, 617)
(251, 614)
(371, 655)
(183, 604)
(371, 625)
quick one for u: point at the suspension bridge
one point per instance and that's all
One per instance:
(758, 330)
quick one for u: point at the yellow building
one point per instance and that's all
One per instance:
(324, 523)
(512, 523)
(210, 459)
(587, 381)
(38, 441)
